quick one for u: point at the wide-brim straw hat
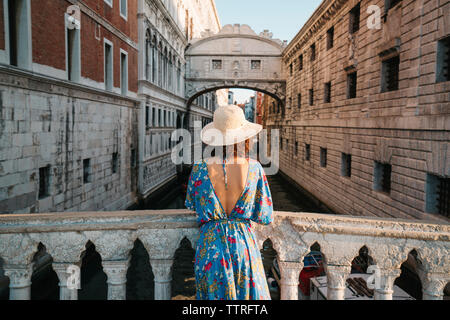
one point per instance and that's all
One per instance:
(229, 127)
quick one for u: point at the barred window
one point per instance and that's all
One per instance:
(354, 18)
(346, 168)
(389, 4)
(256, 64)
(217, 64)
(300, 62)
(382, 177)
(327, 92)
(323, 157)
(438, 195)
(443, 60)
(311, 97)
(115, 162)
(313, 52)
(307, 152)
(299, 100)
(44, 182)
(86, 170)
(290, 69)
(330, 38)
(390, 70)
(352, 80)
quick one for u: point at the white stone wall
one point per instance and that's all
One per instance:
(46, 124)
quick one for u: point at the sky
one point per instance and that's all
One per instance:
(284, 18)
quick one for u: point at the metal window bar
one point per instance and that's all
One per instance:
(386, 179)
(443, 201)
(446, 60)
(392, 70)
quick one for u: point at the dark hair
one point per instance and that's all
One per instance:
(235, 152)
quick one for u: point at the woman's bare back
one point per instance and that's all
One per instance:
(237, 173)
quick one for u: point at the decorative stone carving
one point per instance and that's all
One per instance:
(64, 292)
(336, 278)
(116, 272)
(386, 284)
(290, 272)
(162, 270)
(19, 281)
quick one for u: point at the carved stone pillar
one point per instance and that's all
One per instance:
(116, 271)
(290, 272)
(336, 278)
(19, 281)
(162, 270)
(433, 285)
(61, 270)
(384, 288)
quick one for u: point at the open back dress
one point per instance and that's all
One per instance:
(228, 263)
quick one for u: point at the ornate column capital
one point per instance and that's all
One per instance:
(116, 271)
(61, 269)
(384, 287)
(19, 280)
(290, 272)
(433, 284)
(162, 270)
(336, 281)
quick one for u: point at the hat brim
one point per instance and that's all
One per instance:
(212, 136)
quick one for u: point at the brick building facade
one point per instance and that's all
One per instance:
(366, 125)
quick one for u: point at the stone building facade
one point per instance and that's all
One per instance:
(68, 108)
(165, 29)
(366, 124)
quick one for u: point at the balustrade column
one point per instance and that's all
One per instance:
(290, 272)
(162, 270)
(19, 281)
(336, 281)
(65, 293)
(384, 288)
(116, 271)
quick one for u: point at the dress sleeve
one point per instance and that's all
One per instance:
(190, 190)
(263, 209)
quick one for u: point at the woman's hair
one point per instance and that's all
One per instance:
(237, 149)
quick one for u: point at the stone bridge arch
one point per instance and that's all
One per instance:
(235, 57)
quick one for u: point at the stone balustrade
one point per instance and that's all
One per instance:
(65, 235)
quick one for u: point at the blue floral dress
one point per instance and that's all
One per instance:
(228, 264)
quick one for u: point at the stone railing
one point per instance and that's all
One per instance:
(65, 235)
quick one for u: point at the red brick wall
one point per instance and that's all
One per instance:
(128, 27)
(48, 32)
(48, 38)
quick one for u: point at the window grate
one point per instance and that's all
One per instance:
(443, 199)
(443, 60)
(330, 38)
(354, 19)
(352, 80)
(391, 70)
(307, 152)
(300, 62)
(299, 100)
(386, 178)
(311, 97)
(86, 170)
(327, 92)
(44, 177)
(323, 157)
(346, 165)
(313, 52)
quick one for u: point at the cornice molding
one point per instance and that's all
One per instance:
(320, 17)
